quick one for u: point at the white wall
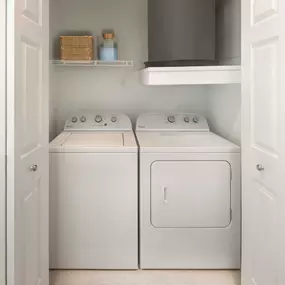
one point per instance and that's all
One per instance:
(119, 89)
(2, 142)
(109, 88)
(224, 102)
(224, 111)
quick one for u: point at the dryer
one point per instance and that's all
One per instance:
(189, 194)
(94, 194)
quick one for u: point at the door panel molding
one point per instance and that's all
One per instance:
(31, 65)
(263, 10)
(33, 11)
(3, 143)
(264, 97)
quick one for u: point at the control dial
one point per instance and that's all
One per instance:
(98, 119)
(83, 119)
(74, 120)
(114, 119)
(187, 120)
(196, 120)
(171, 119)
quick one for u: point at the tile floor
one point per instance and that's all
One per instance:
(145, 277)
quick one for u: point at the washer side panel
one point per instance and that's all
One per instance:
(94, 211)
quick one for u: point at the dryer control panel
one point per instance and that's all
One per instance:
(98, 122)
(183, 122)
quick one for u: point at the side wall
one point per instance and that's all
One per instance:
(3, 143)
(224, 102)
(224, 111)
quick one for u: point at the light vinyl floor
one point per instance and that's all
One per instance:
(192, 277)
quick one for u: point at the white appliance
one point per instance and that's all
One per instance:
(94, 194)
(189, 194)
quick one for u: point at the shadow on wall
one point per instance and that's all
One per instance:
(224, 111)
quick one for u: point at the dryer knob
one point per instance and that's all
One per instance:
(74, 120)
(98, 119)
(114, 119)
(196, 120)
(171, 119)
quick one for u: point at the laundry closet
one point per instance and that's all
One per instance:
(228, 83)
(149, 77)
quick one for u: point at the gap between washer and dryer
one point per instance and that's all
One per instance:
(146, 277)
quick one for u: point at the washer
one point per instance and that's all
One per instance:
(94, 194)
(189, 194)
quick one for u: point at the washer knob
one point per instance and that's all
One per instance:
(187, 120)
(171, 119)
(74, 120)
(114, 119)
(83, 119)
(196, 120)
(98, 119)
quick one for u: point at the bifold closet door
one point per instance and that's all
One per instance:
(263, 232)
(27, 142)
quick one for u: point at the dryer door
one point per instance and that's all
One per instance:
(191, 194)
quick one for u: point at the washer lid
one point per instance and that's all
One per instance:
(94, 142)
(154, 142)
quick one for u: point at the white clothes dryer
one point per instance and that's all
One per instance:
(94, 194)
(189, 195)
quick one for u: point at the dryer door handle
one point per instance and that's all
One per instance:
(164, 192)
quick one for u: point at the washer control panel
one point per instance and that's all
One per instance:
(172, 122)
(98, 122)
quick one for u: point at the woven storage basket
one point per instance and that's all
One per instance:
(76, 48)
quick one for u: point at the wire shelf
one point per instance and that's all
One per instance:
(94, 63)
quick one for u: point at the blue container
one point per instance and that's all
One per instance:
(109, 46)
(108, 53)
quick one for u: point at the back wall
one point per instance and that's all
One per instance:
(110, 88)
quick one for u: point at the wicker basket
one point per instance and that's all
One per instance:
(76, 48)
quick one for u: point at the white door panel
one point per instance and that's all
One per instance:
(264, 256)
(27, 141)
(263, 107)
(32, 10)
(263, 9)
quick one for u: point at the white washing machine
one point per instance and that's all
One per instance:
(189, 195)
(94, 194)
